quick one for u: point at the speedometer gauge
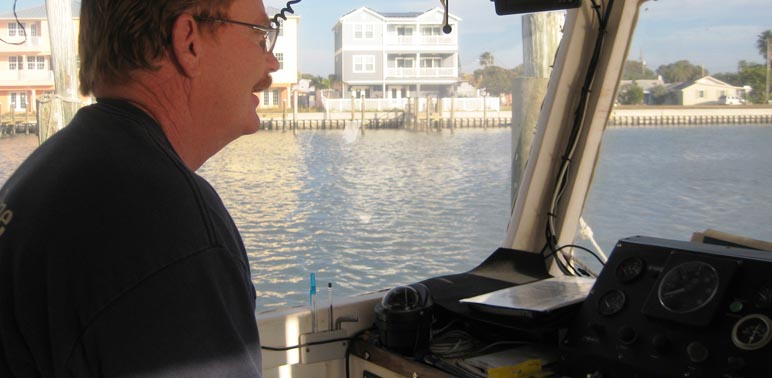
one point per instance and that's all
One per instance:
(688, 287)
(752, 332)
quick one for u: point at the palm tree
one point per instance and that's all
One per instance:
(486, 59)
(763, 43)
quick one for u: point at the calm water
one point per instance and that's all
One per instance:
(390, 207)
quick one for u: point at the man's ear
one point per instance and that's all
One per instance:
(186, 44)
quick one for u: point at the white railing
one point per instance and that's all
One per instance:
(464, 104)
(432, 72)
(371, 104)
(412, 40)
(36, 77)
(37, 44)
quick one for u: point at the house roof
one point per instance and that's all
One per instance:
(705, 80)
(386, 15)
(36, 12)
(644, 84)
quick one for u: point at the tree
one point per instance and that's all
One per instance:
(761, 43)
(486, 59)
(659, 94)
(317, 82)
(636, 70)
(680, 71)
(494, 79)
(750, 74)
(630, 94)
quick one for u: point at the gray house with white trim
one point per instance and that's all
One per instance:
(396, 55)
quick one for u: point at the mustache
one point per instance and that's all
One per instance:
(263, 84)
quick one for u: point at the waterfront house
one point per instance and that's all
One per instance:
(26, 70)
(286, 52)
(25, 64)
(396, 55)
(706, 90)
(647, 85)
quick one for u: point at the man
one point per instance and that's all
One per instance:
(116, 259)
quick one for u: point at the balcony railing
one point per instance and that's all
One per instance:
(434, 72)
(30, 77)
(411, 40)
(471, 104)
(33, 44)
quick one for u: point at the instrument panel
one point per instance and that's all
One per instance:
(663, 308)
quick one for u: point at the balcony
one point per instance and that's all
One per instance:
(423, 40)
(26, 77)
(33, 44)
(421, 73)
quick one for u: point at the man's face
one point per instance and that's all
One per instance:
(239, 67)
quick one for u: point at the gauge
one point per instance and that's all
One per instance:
(611, 302)
(630, 268)
(763, 296)
(752, 332)
(688, 287)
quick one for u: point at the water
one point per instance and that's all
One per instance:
(389, 207)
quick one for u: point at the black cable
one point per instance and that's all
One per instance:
(282, 13)
(19, 24)
(581, 109)
(284, 349)
(602, 263)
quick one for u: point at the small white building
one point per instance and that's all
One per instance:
(706, 90)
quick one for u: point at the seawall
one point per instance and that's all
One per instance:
(690, 115)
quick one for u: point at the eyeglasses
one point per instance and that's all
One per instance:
(270, 34)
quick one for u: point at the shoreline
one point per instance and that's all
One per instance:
(651, 116)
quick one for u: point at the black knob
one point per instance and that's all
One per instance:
(661, 343)
(735, 363)
(627, 334)
(697, 352)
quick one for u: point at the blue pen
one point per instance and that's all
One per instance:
(312, 295)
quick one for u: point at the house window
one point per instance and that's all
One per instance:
(36, 63)
(701, 94)
(18, 100)
(404, 31)
(364, 63)
(431, 62)
(15, 29)
(363, 31)
(274, 97)
(33, 30)
(15, 63)
(280, 58)
(405, 62)
(431, 30)
(281, 27)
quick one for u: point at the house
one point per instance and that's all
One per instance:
(25, 62)
(647, 85)
(26, 71)
(396, 55)
(706, 90)
(286, 52)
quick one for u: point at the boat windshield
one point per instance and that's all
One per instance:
(677, 158)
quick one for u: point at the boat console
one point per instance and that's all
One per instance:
(660, 308)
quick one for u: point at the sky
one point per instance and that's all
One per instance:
(714, 33)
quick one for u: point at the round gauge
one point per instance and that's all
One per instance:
(763, 296)
(630, 268)
(688, 287)
(611, 302)
(752, 332)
